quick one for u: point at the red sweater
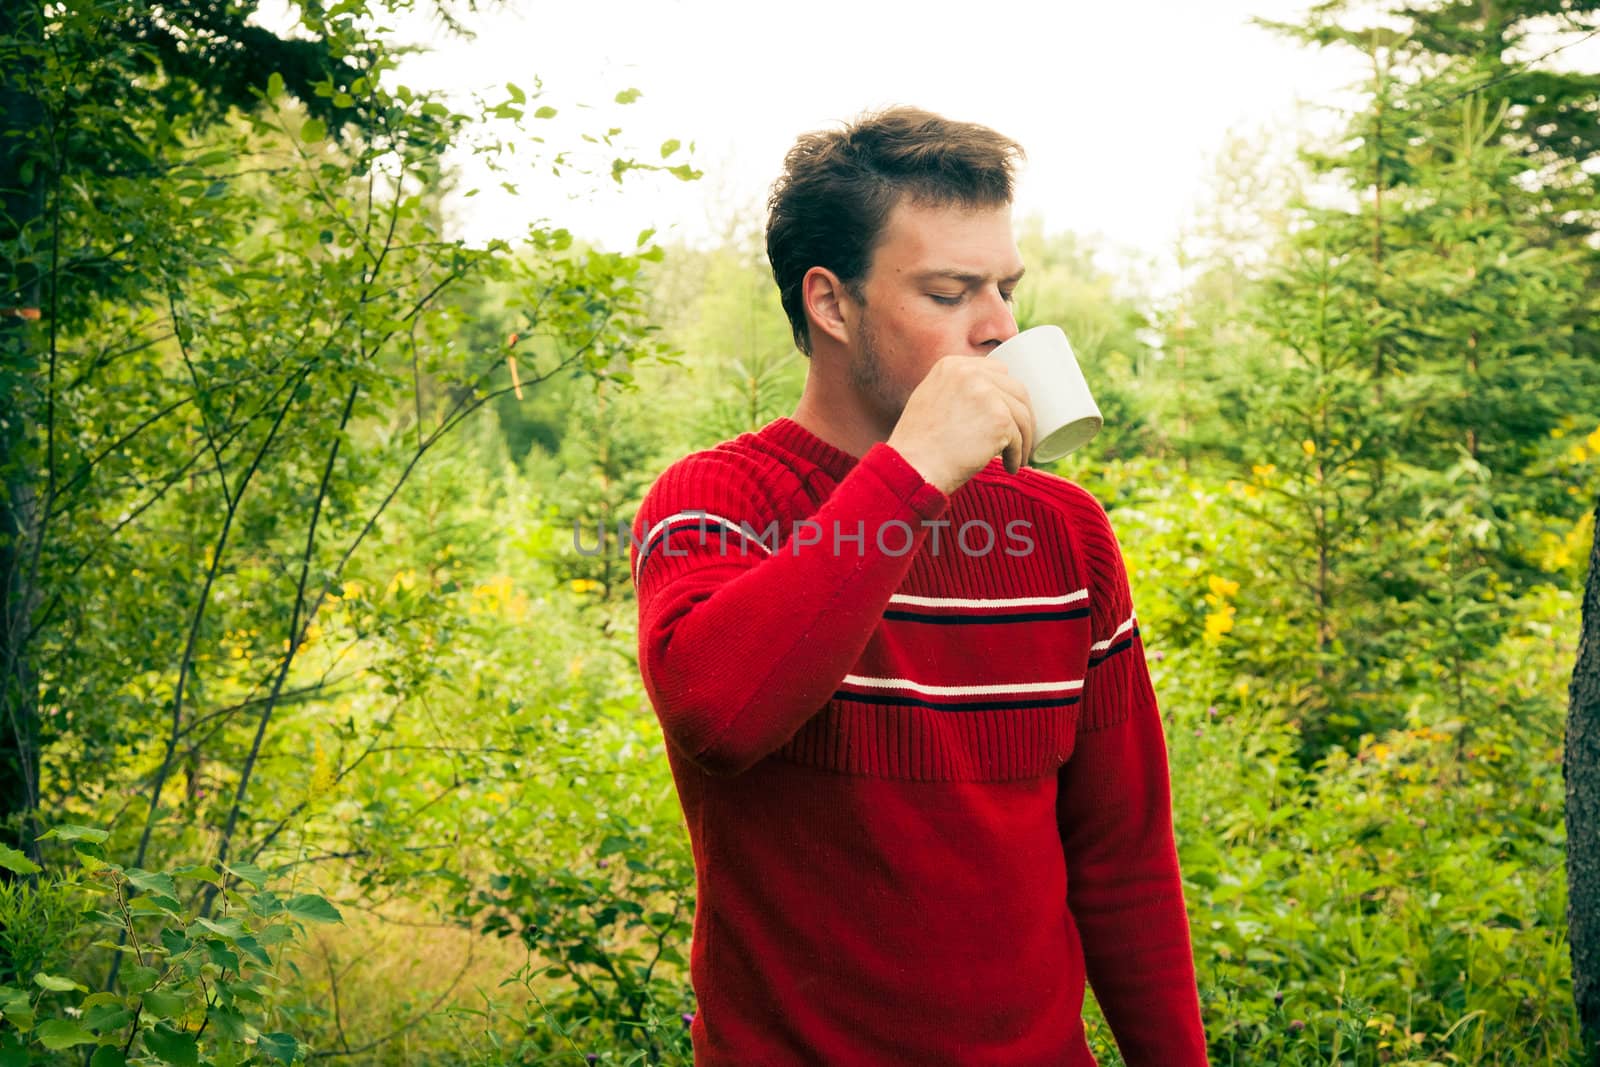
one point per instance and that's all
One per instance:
(926, 786)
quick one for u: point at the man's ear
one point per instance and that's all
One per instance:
(829, 305)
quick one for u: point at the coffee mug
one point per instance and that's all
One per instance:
(1065, 416)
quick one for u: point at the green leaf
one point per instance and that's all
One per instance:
(55, 1034)
(105, 1017)
(173, 1045)
(313, 908)
(164, 1004)
(17, 862)
(92, 863)
(247, 872)
(231, 1025)
(669, 147)
(265, 904)
(137, 979)
(155, 883)
(253, 947)
(546, 112)
(198, 871)
(281, 1047)
(72, 832)
(155, 904)
(228, 927)
(57, 985)
(107, 1056)
(274, 86)
(314, 130)
(644, 235)
(517, 95)
(628, 96)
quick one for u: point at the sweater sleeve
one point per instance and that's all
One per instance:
(746, 629)
(1114, 810)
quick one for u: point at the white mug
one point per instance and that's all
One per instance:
(1065, 415)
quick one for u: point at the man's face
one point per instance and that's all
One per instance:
(939, 284)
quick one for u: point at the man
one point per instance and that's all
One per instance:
(899, 675)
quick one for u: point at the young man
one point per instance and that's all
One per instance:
(899, 675)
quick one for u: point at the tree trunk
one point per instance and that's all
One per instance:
(1581, 768)
(21, 204)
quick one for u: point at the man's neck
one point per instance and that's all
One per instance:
(837, 417)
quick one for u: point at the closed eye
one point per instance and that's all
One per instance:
(953, 301)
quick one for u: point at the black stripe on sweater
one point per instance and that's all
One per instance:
(1124, 644)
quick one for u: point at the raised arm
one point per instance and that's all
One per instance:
(745, 630)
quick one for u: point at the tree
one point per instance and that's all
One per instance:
(1581, 768)
(1396, 387)
(234, 327)
(178, 68)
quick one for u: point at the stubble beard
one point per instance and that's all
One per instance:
(868, 380)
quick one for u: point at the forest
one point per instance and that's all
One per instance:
(324, 737)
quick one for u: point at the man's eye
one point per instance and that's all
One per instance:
(948, 301)
(1006, 296)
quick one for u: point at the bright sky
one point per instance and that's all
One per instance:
(1119, 106)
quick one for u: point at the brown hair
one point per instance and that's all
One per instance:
(829, 206)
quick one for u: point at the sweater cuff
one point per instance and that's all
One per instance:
(907, 483)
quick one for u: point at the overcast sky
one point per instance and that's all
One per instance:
(1120, 106)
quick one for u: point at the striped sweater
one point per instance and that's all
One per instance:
(925, 783)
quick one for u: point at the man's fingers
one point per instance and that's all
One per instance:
(1022, 418)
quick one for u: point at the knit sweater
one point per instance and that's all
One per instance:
(925, 784)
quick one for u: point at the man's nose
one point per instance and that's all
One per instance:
(997, 323)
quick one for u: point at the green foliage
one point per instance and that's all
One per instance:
(1404, 903)
(611, 936)
(199, 981)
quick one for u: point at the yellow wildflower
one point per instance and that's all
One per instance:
(1309, 447)
(1219, 622)
(1221, 587)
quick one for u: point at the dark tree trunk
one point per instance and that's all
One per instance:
(21, 188)
(1581, 766)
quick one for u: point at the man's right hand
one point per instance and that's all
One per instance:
(965, 411)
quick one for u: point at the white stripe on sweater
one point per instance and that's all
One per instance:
(988, 602)
(960, 690)
(700, 518)
(1101, 646)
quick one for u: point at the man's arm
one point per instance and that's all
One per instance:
(1114, 810)
(739, 646)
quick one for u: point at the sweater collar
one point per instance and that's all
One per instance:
(800, 442)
